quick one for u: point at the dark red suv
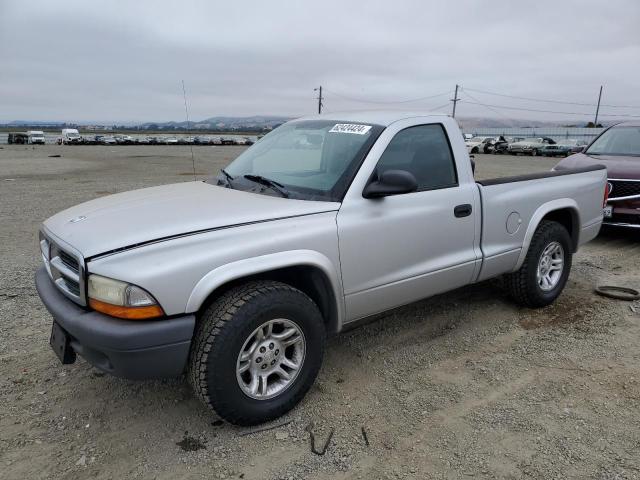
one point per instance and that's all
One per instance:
(618, 148)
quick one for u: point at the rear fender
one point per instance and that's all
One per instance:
(539, 214)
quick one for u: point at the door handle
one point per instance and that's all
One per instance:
(462, 210)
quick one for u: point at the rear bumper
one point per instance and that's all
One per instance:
(124, 348)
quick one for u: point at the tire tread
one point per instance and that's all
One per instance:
(215, 322)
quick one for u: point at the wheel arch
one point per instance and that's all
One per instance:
(564, 211)
(308, 271)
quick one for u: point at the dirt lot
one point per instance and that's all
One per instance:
(459, 386)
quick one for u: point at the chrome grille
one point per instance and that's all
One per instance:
(623, 189)
(64, 267)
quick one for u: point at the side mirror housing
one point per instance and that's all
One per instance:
(391, 182)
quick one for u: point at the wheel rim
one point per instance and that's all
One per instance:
(270, 359)
(550, 266)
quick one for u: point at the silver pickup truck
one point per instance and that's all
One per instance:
(325, 221)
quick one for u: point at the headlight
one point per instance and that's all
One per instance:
(121, 299)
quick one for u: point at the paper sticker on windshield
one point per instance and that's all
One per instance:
(350, 128)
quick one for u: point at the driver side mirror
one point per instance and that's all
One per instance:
(391, 182)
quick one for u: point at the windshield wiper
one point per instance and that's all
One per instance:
(228, 177)
(226, 174)
(278, 187)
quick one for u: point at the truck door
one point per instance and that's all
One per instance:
(398, 249)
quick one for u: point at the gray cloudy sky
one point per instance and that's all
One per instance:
(124, 61)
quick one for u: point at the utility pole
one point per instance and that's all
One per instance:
(455, 100)
(319, 90)
(595, 123)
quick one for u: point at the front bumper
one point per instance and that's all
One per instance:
(125, 348)
(625, 214)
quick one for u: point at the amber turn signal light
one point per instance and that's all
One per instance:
(128, 313)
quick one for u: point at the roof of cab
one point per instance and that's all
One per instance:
(378, 117)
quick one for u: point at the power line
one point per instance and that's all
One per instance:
(489, 108)
(548, 101)
(441, 106)
(549, 111)
(386, 102)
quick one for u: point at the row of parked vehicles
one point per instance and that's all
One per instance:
(32, 137)
(129, 140)
(533, 146)
(71, 136)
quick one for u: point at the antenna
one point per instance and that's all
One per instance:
(186, 111)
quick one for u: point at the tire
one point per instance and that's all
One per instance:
(534, 152)
(474, 150)
(223, 334)
(524, 285)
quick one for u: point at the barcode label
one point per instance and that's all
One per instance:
(350, 128)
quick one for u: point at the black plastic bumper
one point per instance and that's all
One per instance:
(125, 348)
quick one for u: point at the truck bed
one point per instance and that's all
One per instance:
(513, 206)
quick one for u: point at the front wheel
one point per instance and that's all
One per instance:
(257, 351)
(534, 152)
(545, 270)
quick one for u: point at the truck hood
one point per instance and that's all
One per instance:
(131, 218)
(617, 166)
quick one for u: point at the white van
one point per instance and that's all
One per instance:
(70, 135)
(36, 136)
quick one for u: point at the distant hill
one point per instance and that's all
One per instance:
(482, 122)
(257, 122)
(262, 123)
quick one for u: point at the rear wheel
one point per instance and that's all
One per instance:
(544, 272)
(257, 351)
(534, 152)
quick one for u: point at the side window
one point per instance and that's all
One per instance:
(424, 151)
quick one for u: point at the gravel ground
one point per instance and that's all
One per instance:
(463, 385)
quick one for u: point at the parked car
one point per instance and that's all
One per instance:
(123, 139)
(201, 140)
(530, 146)
(142, 140)
(478, 144)
(108, 140)
(171, 141)
(562, 148)
(239, 280)
(18, 138)
(618, 149)
(501, 146)
(70, 136)
(36, 137)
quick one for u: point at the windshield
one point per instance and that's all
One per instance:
(310, 160)
(617, 141)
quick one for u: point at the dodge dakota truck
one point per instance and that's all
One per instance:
(325, 221)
